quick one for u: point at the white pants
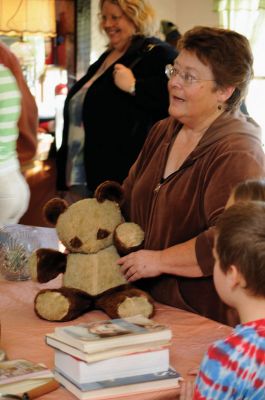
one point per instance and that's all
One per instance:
(14, 197)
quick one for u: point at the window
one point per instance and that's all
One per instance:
(248, 18)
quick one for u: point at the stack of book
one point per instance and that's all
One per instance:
(110, 358)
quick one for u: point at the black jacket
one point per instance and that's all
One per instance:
(116, 123)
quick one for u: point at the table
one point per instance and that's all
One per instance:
(22, 332)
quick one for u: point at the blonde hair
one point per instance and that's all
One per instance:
(140, 12)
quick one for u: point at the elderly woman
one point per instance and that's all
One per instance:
(182, 179)
(109, 112)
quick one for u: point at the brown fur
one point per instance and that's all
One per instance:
(50, 257)
(109, 301)
(53, 209)
(79, 302)
(109, 190)
(76, 242)
(86, 229)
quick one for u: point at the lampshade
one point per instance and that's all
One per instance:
(27, 17)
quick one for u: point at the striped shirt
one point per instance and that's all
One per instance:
(234, 368)
(10, 108)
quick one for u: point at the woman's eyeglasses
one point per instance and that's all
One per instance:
(187, 78)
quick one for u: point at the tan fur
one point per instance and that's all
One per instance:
(91, 276)
(94, 273)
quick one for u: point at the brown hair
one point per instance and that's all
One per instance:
(240, 241)
(229, 55)
(251, 189)
(139, 12)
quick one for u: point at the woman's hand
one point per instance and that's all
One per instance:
(141, 264)
(123, 78)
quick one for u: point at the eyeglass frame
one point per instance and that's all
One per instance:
(171, 71)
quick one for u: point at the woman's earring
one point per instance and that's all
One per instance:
(219, 107)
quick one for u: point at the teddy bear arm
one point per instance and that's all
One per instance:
(128, 237)
(125, 301)
(46, 264)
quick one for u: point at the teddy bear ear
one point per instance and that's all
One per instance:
(53, 209)
(109, 190)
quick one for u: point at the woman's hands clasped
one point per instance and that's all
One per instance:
(141, 264)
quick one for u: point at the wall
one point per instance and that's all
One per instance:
(98, 40)
(177, 11)
(186, 13)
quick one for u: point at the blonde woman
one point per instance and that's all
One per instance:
(109, 112)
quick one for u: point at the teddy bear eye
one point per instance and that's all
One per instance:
(102, 234)
(76, 242)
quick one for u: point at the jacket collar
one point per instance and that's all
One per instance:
(227, 124)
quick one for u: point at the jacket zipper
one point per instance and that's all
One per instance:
(158, 186)
(156, 192)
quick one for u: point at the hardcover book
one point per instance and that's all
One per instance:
(123, 386)
(113, 368)
(21, 375)
(112, 333)
(55, 343)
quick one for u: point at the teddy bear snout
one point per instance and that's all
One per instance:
(76, 242)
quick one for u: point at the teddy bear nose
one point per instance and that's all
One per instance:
(76, 242)
(102, 234)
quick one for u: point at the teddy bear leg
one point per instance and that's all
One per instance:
(62, 304)
(126, 302)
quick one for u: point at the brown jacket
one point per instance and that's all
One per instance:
(187, 203)
(28, 121)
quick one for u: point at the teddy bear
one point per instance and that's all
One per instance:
(95, 236)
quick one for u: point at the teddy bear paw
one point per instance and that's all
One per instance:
(135, 305)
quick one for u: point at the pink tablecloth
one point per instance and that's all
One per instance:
(22, 334)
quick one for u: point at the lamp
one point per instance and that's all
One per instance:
(32, 21)
(27, 17)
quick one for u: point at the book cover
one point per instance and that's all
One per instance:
(21, 375)
(25, 385)
(17, 370)
(55, 343)
(117, 367)
(123, 386)
(106, 334)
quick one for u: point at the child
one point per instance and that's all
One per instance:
(252, 189)
(234, 368)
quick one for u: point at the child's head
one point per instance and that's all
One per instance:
(240, 246)
(252, 189)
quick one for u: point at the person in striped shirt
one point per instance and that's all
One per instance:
(234, 368)
(14, 190)
(28, 121)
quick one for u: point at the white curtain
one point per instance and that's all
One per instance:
(248, 17)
